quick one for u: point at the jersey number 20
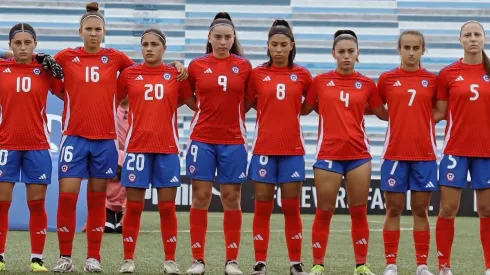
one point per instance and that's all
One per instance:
(154, 91)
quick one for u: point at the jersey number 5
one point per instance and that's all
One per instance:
(473, 89)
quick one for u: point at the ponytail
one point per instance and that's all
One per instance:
(486, 62)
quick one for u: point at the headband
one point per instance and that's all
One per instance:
(283, 32)
(151, 32)
(222, 24)
(22, 30)
(346, 35)
(92, 15)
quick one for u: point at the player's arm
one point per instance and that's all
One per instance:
(440, 110)
(57, 87)
(442, 98)
(376, 103)
(4, 54)
(122, 87)
(181, 69)
(186, 95)
(251, 94)
(311, 99)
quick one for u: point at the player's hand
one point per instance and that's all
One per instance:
(183, 73)
(49, 64)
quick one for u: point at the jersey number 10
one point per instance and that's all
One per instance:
(24, 84)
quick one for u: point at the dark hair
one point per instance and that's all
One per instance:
(92, 11)
(161, 36)
(22, 27)
(223, 18)
(485, 59)
(345, 35)
(412, 32)
(282, 27)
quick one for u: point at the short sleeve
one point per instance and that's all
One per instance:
(56, 86)
(312, 94)
(185, 91)
(442, 87)
(124, 61)
(122, 85)
(374, 99)
(307, 79)
(382, 87)
(192, 75)
(60, 57)
(251, 93)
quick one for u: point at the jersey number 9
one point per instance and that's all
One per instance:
(223, 81)
(158, 90)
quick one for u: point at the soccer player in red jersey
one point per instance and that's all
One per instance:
(340, 96)
(218, 139)
(151, 147)
(463, 99)
(277, 88)
(24, 137)
(409, 155)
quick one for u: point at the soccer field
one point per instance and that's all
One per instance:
(467, 255)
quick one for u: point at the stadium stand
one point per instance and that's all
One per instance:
(377, 23)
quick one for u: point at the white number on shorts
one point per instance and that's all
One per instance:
(393, 169)
(222, 81)
(138, 159)
(194, 149)
(157, 88)
(3, 157)
(66, 154)
(344, 98)
(91, 74)
(454, 162)
(329, 163)
(263, 160)
(473, 89)
(413, 92)
(280, 91)
(23, 84)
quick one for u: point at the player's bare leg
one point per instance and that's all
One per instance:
(201, 198)
(168, 228)
(395, 203)
(327, 188)
(38, 223)
(483, 208)
(449, 207)
(357, 183)
(421, 229)
(6, 189)
(231, 198)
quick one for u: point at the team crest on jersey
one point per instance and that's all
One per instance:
(391, 182)
(293, 77)
(64, 168)
(262, 172)
(235, 69)
(104, 59)
(358, 85)
(166, 76)
(132, 177)
(36, 71)
(424, 83)
(486, 78)
(192, 168)
(450, 176)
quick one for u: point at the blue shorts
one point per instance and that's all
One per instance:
(340, 166)
(400, 176)
(277, 169)
(203, 159)
(453, 171)
(87, 158)
(161, 170)
(33, 166)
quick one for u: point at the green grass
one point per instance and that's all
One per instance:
(467, 255)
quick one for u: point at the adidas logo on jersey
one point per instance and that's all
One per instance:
(267, 78)
(140, 77)
(242, 176)
(233, 245)
(196, 245)
(390, 256)
(208, 71)
(174, 179)
(172, 240)
(430, 185)
(7, 70)
(128, 240)
(297, 237)
(43, 177)
(98, 229)
(397, 84)
(258, 238)
(109, 171)
(361, 241)
(75, 60)
(42, 232)
(331, 83)
(317, 245)
(459, 78)
(295, 175)
(63, 229)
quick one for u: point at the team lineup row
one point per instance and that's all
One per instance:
(221, 87)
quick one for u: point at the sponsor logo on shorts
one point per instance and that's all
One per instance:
(450, 176)
(64, 168)
(192, 168)
(262, 172)
(132, 177)
(391, 182)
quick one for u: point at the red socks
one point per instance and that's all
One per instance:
(319, 235)
(359, 232)
(485, 240)
(198, 220)
(131, 227)
(66, 221)
(168, 228)
(293, 228)
(421, 240)
(261, 228)
(4, 224)
(444, 240)
(38, 224)
(391, 239)
(95, 222)
(232, 226)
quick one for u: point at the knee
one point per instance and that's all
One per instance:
(231, 199)
(420, 210)
(201, 198)
(394, 210)
(449, 210)
(484, 211)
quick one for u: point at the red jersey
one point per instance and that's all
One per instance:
(341, 101)
(411, 129)
(90, 91)
(279, 94)
(467, 88)
(24, 90)
(153, 94)
(220, 86)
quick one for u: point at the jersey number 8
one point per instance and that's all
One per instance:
(281, 91)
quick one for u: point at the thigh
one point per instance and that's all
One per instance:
(6, 190)
(330, 165)
(167, 194)
(232, 163)
(103, 159)
(73, 158)
(36, 191)
(201, 161)
(327, 184)
(37, 167)
(166, 171)
(357, 182)
(394, 176)
(137, 170)
(423, 176)
(480, 173)
(453, 171)
(291, 169)
(263, 169)
(10, 163)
